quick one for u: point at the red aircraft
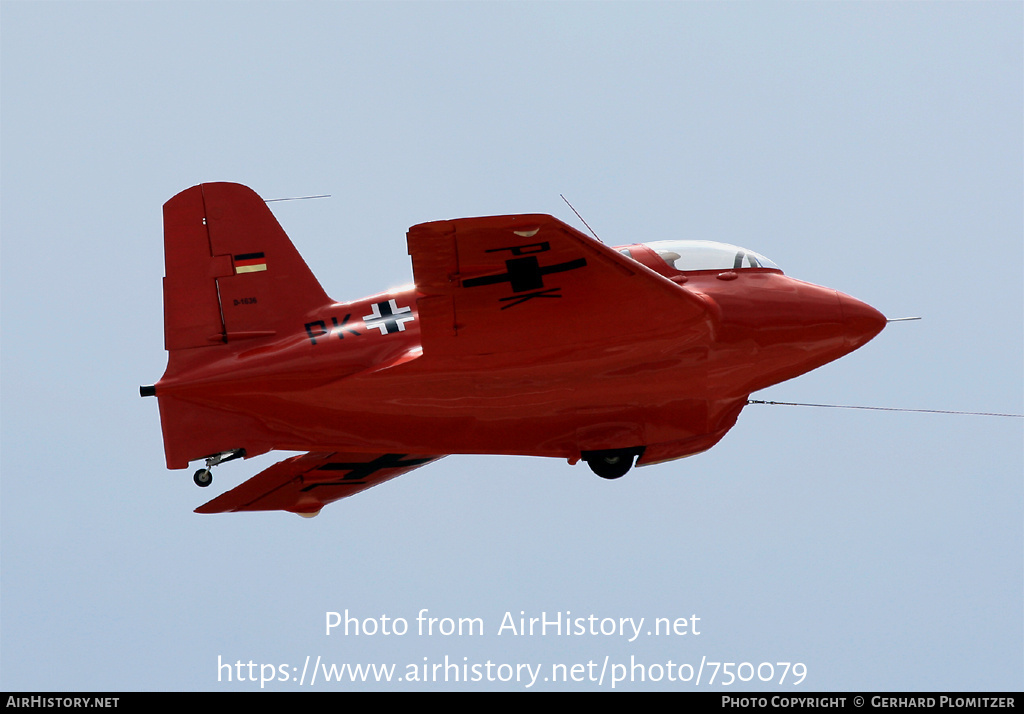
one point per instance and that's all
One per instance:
(520, 335)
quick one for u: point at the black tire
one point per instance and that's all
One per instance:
(611, 464)
(203, 478)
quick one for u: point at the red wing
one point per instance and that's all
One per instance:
(305, 484)
(515, 283)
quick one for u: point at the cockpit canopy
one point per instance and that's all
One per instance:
(684, 255)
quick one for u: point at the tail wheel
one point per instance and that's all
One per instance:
(203, 478)
(613, 463)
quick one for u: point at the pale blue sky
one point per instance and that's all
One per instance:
(875, 148)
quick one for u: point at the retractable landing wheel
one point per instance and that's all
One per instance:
(613, 463)
(203, 478)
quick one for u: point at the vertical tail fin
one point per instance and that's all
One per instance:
(232, 273)
(232, 276)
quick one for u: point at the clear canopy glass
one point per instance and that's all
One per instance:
(686, 255)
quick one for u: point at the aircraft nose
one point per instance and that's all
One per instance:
(861, 321)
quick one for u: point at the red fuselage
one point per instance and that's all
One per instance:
(332, 387)
(520, 335)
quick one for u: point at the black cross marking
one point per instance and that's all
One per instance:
(359, 471)
(525, 273)
(388, 319)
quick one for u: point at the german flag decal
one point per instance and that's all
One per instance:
(250, 263)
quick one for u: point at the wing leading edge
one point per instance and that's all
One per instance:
(304, 484)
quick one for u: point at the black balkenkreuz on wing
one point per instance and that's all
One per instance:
(359, 471)
(525, 274)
